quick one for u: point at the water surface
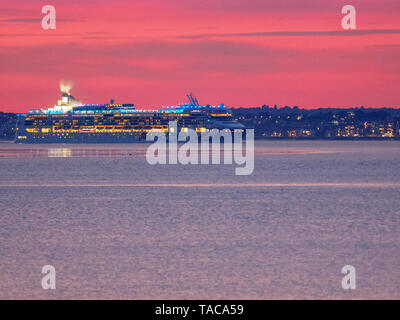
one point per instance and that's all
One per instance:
(116, 227)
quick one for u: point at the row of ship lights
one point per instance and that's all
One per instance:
(178, 109)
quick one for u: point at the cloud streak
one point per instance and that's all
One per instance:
(336, 33)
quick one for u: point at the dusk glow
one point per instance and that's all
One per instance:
(202, 159)
(241, 53)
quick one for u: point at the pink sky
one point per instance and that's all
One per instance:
(239, 52)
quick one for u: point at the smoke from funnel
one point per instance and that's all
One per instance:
(66, 86)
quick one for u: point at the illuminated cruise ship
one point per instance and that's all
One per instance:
(73, 122)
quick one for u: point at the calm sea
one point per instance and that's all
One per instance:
(116, 227)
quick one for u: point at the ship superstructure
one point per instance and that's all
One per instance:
(73, 122)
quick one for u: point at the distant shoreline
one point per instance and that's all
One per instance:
(6, 140)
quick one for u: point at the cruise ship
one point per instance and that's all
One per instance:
(70, 121)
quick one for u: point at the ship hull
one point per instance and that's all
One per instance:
(77, 138)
